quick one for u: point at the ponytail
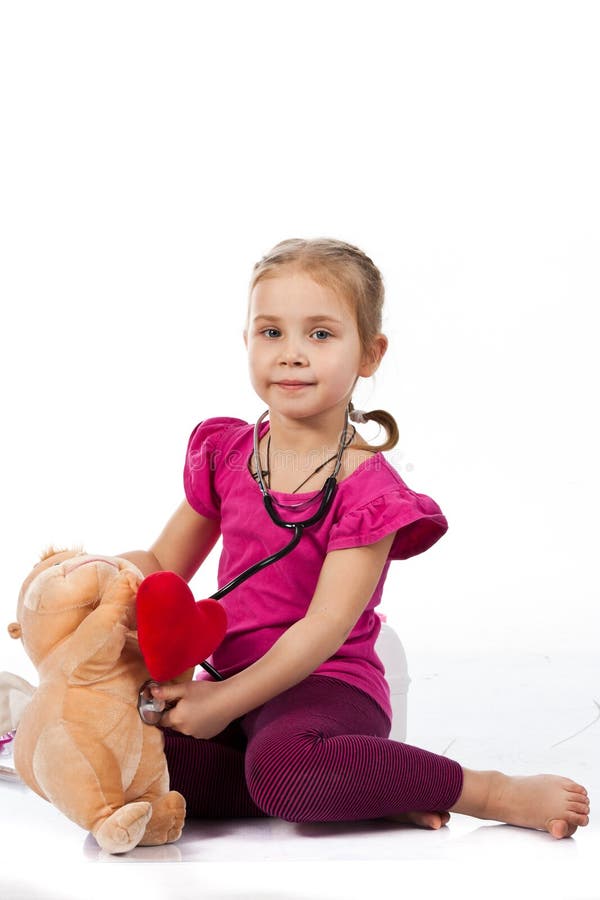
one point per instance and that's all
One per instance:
(383, 418)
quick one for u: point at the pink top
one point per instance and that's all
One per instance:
(370, 503)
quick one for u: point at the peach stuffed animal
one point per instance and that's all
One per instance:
(80, 742)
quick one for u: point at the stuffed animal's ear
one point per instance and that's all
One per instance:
(14, 629)
(15, 694)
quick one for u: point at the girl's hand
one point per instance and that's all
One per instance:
(201, 709)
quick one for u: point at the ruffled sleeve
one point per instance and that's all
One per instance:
(417, 519)
(201, 462)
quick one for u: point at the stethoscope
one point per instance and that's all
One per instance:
(151, 709)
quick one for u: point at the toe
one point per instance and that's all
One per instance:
(558, 828)
(431, 819)
(578, 796)
(578, 807)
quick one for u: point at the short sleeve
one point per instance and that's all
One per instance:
(201, 462)
(417, 519)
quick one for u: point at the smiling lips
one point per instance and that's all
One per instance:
(293, 385)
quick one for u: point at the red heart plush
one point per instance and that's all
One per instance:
(175, 633)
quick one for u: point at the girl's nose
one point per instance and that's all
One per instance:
(292, 356)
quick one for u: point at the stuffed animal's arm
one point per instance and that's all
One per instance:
(95, 647)
(15, 694)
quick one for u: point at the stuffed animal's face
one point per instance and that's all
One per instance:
(58, 594)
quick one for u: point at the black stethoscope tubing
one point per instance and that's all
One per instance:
(147, 706)
(247, 573)
(151, 710)
(328, 490)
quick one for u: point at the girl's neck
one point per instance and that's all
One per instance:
(307, 437)
(290, 452)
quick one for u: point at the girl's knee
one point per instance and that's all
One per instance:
(281, 800)
(283, 780)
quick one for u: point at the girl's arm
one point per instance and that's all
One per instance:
(183, 545)
(347, 581)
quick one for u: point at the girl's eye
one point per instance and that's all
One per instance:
(321, 334)
(271, 332)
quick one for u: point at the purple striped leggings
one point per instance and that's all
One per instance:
(318, 752)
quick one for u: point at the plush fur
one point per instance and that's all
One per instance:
(80, 742)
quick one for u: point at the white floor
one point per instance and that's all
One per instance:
(520, 713)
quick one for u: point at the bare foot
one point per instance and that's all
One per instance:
(422, 819)
(546, 802)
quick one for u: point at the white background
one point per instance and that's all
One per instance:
(152, 152)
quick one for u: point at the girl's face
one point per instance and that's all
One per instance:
(303, 345)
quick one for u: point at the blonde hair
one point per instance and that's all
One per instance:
(353, 276)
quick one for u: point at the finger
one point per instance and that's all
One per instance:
(168, 692)
(166, 722)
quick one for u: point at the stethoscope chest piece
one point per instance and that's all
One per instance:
(150, 708)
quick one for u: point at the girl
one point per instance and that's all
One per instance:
(299, 727)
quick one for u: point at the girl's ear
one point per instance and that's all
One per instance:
(14, 629)
(373, 356)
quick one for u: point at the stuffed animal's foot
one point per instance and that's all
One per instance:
(166, 824)
(123, 830)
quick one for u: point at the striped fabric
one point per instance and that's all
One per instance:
(318, 752)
